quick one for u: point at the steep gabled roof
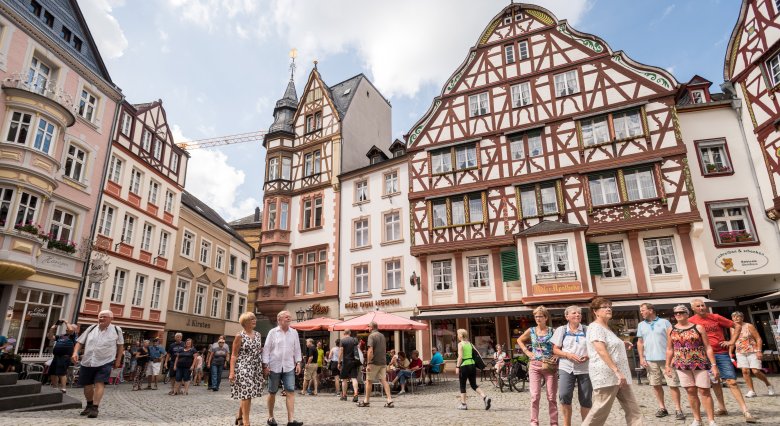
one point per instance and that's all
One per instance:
(209, 214)
(376, 151)
(547, 227)
(397, 145)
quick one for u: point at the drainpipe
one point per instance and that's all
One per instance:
(736, 105)
(88, 257)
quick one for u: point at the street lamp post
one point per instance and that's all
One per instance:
(309, 313)
(299, 314)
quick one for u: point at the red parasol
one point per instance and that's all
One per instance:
(315, 324)
(384, 321)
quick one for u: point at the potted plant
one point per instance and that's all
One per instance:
(28, 227)
(62, 245)
(743, 236)
(727, 237)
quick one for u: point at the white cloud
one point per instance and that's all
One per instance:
(214, 181)
(105, 28)
(209, 14)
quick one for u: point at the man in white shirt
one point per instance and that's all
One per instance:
(103, 348)
(282, 359)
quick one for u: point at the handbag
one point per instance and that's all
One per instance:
(478, 361)
(550, 363)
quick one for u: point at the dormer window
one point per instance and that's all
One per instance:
(399, 153)
(697, 96)
(375, 159)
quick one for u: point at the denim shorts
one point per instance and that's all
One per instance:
(287, 379)
(91, 375)
(566, 383)
(725, 367)
(183, 374)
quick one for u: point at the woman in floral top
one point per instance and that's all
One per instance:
(543, 365)
(689, 352)
(608, 369)
(748, 354)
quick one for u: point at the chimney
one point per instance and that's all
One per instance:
(257, 214)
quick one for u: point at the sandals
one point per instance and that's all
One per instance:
(389, 404)
(363, 404)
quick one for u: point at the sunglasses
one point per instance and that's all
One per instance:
(681, 313)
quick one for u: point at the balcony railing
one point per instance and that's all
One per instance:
(556, 276)
(48, 89)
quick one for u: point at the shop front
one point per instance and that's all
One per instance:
(399, 340)
(306, 310)
(203, 331)
(31, 314)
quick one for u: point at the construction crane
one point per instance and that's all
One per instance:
(223, 140)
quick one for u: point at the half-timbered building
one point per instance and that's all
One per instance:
(137, 223)
(550, 169)
(310, 143)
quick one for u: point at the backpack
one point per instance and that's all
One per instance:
(92, 327)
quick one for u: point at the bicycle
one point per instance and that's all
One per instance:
(518, 374)
(166, 376)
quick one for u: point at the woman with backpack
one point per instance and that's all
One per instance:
(571, 347)
(62, 351)
(543, 364)
(466, 369)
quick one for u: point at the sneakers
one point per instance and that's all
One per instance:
(770, 391)
(750, 394)
(712, 423)
(678, 415)
(749, 418)
(462, 406)
(93, 412)
(403, 391)
(695, 423)
(661, 412)
(487, 401)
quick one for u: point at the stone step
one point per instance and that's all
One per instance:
(47, 396)
(68, 403)
(8, 378)
(22, 387)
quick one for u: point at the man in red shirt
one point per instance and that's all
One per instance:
(714, 324)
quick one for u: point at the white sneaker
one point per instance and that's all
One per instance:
(712, 423)
(696, 423)
(462, 406)
(402, 392)
(770, 391)
(750, 394)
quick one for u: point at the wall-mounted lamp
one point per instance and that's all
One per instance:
(414, 280)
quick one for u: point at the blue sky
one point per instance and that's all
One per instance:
(219, 65)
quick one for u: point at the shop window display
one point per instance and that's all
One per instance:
(34, 312)
(483, 335)
(444, 338)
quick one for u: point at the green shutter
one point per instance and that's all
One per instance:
(509, 267)
(594, 259)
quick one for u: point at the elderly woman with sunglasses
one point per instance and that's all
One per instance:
(608, 369)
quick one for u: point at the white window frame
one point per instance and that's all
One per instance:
(698, 96)
(22, 125)
(734, 212)
(360, 279)
(522, 48)
(442, 274)
(40, 75)
(645, 187)
(566, 83)
(199, 301)
(391, 183)
(216, 300)
(158, 148)
(45, 136)
(106, 220)
(392, 226)
(154, 192)
(713, 153)
(136, 176)
(170, 198)
(219, 259)
(627, 124)
(128, 226)
(204, 254)
(441, 161)
(173, 163)
(479, 271)
(244, 270)
(552, 263)
(146, 237)
(187, 241)
(281, 269)
(181, 295)
(62, 224)
(138, 290)
(273, 169)
(241, 304)
(613, 260)
(393, 271)
(162, 248)
(773, 69)
(146, 140)
(118, 289)
(479, 104)
(595, 130)
(115, 169)
(521, 94)
(509, 53)
(88, 104)
(465, 156)
(361, 191)
(604, 189)
(76, 163)
(157, 285)
(361, 233)
(666, 266)
(127, 122)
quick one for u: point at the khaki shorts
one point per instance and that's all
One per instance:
(310, 372)
(656, 376)
(695, 378)
(376, 373)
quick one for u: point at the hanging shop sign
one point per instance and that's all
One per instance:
(741, 260)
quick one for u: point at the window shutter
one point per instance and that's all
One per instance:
(594, 258)
(509, 266)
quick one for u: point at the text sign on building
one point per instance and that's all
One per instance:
(367, 304)
(741, 260)
(556, 288)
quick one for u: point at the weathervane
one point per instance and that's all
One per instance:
(293, 55)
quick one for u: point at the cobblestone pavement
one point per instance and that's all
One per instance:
(432, 405)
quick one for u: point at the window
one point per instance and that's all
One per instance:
(478, 272)
(697, 96)
(28, 206)
(62, 223)
(118, 290)
(360, 280)
(286, 168)
(169, 200)
(522, 46)
(442, 274)
(393, 274)
(466, 157)
(613, 263)
(174, 163)
(127, 229)
(43, 136)
(311, 163)
(464, 209)
(281, 261)
(529, 142)
(138, 291)
(271, 214)
(603, 188)
(312, 213)
(269, 269)
(146, 140)
(361, 233)
(156, 291)
(241, 304)
(146, 237)
(200, 299)
(566, 83)
(244, 269)
(521, 94)
(48, 18)
(540, 200)
(38, 76)
(216, 298)
(509, 53)
(391, 183)
(162, 250)
(361, 191)
(154, 189)
(310, 269)
(186, 244)
(219, 260)
(773, 69)
(6, 197)
(93, 290)
(714, 157)
(229, 306)
(478, 104)
(34, 7)
(77, 43)
(75, 162)
(158, 148)
(106, 220)
(273, 168)
(732, 222)
(19, 127)
(441, 161)
(232, 265)
(517, 148)
(313, 122)
(660, 256)
(115, 170)
(321, 271)
(87, 105)
(392, 226)
(283, 217)
(625, 124)
(126, 123)
(552, 257)
(180, 298)
(65, 34)
(205, 252)
(640, 184)
(135, 181)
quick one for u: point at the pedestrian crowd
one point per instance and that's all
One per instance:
(690, 353)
